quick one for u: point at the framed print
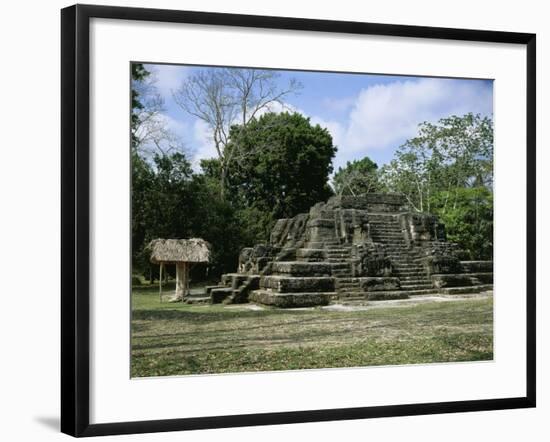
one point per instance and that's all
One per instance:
(272, 220)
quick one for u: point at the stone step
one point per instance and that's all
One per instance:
(289, 284)
(389, 295)
(290, 300)
(339, 273)
(339, 265)
(416, 286)
(301, 268)
(466, 290)
(218, 295)
(393, 241)
(197, 300)
(389, 232)
(402, 251)
(347, 280)
(413, 279)
(372, 296)
(350, 290)
(347, 285)
(393, 233)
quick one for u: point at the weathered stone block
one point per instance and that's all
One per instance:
(441, 265)
(485, 278)
(289, 230)
(386, 296)
(217, 296)
(208, 289)
(298, 268)
(233, 279)
(289, 300)
(477, 266)
(301, 284)
(321, 222)
(461, 280)
(310, 254)
(373, 284)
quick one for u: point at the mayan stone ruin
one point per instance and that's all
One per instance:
(352, 249)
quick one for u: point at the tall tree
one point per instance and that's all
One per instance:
(139, 74)
(358, 177)
(284, 167)
(455, 152)
(151, 134)
(161, 201)
(224, 97)
(469, 221)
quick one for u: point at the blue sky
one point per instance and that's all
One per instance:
(367, 115)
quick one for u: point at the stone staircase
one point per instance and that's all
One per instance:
(405, 259)
(296, 284)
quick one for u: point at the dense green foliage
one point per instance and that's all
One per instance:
(447, 169)
(358, 177)
(169, 201)
(283, 167)
(469, 221)
(456, 152)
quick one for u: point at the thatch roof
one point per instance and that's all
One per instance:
(179, 250)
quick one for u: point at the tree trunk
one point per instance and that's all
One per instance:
(160, 281)
(181, 282)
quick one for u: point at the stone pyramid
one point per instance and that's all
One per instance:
(352, 249)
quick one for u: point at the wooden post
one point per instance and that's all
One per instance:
(187, 265)
(180, 281)
(185, 280)
(160, 281)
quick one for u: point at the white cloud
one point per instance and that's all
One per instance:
(204, 145)
(168, 77)
(386, 115)
(381, 117)
(338, 104)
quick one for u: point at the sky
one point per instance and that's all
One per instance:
(367, 115)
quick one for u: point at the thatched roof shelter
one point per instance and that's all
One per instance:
(172, 251)
(182, 253)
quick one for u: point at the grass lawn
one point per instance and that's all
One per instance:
(178, 339)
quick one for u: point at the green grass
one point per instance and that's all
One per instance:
(178, 339)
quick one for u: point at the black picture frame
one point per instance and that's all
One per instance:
(75, 212)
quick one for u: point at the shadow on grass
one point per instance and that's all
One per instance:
(146, 289)
(205, 316)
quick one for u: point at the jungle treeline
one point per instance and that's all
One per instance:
(270, 165)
